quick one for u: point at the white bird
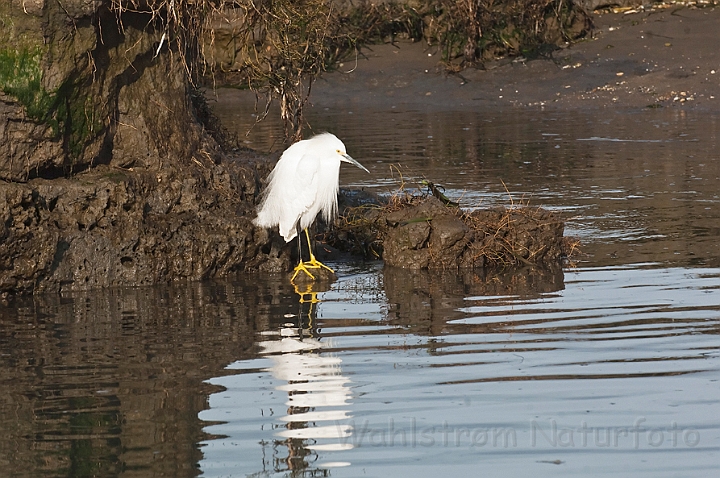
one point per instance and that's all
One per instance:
(304, 183)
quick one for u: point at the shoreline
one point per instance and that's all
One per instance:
(657, 58)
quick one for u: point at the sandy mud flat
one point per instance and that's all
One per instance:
(662, 58)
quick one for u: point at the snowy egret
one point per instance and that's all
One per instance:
(304, 183)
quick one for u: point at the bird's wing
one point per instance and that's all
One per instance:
(306, 183)
(296, 189)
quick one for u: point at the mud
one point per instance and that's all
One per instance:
(108, 175)
(662, 57)
(423, 233)
(111, 226)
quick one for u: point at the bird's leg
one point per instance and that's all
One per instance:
(301, 266)
(314, 263)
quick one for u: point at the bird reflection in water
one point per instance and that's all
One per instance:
(318, 394)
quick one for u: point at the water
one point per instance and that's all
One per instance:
(638, 187)
(608, 366)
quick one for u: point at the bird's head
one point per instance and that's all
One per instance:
(328, 141)
(340, 150)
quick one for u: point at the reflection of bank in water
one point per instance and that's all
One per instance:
(427, 303)
(317, 397)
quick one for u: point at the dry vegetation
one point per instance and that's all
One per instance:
(183, 24)
(278, 47)
(515, 234)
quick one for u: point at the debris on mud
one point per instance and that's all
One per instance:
(421, 232)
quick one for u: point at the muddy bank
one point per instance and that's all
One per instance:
(110, 171)
(661, 57)
(111, 226)
(151, 198)
(422, 232)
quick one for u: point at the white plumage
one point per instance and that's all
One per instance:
(303, 184)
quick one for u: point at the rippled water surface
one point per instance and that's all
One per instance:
(609, 366)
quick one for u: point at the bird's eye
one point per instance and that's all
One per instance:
(338, 151)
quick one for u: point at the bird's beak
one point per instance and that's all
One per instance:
(346, 157)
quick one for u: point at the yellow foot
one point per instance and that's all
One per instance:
(306, 266)
(316, 264)
(311, 264)
(302, 268)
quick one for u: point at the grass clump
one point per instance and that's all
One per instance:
(415, 229)
(477, 30)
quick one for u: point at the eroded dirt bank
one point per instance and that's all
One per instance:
(107, 176)
(110, 227)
